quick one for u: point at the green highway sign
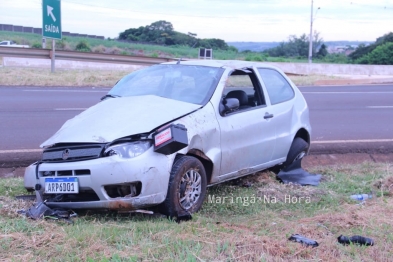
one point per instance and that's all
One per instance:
(51, 19)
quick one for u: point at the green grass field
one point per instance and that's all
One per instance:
(245, 220)
(115, 47)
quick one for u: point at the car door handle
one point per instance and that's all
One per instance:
(267, 116)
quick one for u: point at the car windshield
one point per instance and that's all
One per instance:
(187, 83)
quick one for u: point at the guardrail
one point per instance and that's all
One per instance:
(81, 56)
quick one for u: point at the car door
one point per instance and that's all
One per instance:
(247, 136)
(280, 96)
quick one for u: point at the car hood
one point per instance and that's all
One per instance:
(115, 118)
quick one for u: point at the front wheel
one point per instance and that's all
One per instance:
(187, 187)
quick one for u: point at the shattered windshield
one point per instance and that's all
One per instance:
(187, 83)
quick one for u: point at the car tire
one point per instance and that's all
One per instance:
(297, 151)
(186, 189)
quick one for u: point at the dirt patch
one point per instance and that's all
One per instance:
(345, 159)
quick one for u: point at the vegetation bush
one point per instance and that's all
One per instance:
(381, 55)
(36, 45)
(334, 59)
(296, 47)
(114, 50)
(83, 46)
(61, 44)
(99, 49)
(360, 55)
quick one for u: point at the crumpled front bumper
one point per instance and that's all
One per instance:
(151, 169)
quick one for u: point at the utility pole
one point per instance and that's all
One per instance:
(310, 44)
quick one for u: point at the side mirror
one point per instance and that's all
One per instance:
(228, 105)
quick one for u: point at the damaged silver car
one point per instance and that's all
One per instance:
(164, 133)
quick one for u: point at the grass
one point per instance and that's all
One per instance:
(115, 47)
(43, 77)
(240, 221)
(23, 76)
(111, 46)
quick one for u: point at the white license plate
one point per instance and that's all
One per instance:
(61, 185)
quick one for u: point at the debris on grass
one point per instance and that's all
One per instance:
(294, 173)
(360, 240)
(303, 240)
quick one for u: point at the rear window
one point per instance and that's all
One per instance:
(278, 88)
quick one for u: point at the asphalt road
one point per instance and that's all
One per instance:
(344, 118)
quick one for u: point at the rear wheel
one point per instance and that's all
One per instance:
(297, 151)
(186, 189)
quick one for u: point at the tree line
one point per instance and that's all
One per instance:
(378, 53)
(163, 33)
(298, 47)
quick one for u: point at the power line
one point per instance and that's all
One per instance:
(372, 6)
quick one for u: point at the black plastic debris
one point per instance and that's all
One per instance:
(363, 241)
(40, 210)
(295, 174)
(303, 240)
(183, 216)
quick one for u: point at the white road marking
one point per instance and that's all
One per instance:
(352, 141)
(75, 91)
(334, 93)
(377, 107)
(20, 151)
(70, 109)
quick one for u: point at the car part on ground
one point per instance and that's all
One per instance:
(295, 174)
(360, 240)
(303, 240)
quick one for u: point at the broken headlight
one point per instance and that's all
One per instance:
(128, 150)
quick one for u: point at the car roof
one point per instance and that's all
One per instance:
(235, 64)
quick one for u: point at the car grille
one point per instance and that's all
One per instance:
(80, 172)
(68, 153)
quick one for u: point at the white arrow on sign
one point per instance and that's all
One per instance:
(49, 9)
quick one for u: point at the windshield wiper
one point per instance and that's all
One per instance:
(109, 95)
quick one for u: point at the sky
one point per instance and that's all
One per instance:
(230, 20)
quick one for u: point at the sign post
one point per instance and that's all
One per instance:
(51, 24)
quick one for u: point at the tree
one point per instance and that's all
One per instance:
(296, 46)
(161, 25)
(381, 55)
(363, 50)
(162, 33)
(322, 52)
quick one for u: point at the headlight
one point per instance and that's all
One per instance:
(128, 150)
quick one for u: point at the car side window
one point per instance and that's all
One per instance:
(244, 86)
(278, 88)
